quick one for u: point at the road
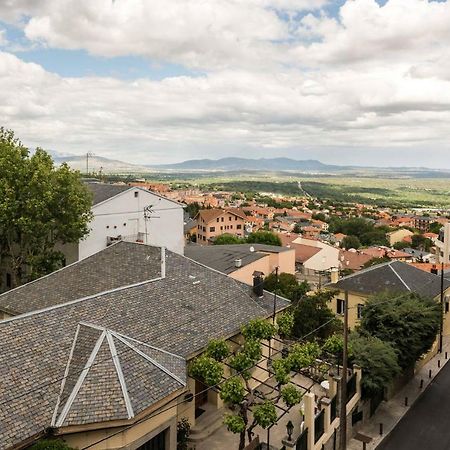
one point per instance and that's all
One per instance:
(426, 425)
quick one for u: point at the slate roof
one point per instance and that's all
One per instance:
(178, 314)
(102, 191)
(393, 276)
(120, 264)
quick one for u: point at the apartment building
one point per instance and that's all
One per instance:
(214, 222)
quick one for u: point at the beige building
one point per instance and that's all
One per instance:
(241, 261)
(394, 276)
(398, 236)
(214, 222)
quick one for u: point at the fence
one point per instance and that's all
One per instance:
(333, 408)
(302, 441)
(351, 387)
(319, 425)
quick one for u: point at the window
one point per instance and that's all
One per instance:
(212, 229)
(124, 224)
(359, 310)
(204, 228)
(107, 226)
(446, 306)
(221, 228)
(156, 443)
(217, 219)
(229, 218)
(235, 217)
(231, 227)
(203, 237)
(9, 282)
(340, 306)
(221, 219)
(136, 194)
(238, 227)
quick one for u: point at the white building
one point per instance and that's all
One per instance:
(132, 214)
(443, 245)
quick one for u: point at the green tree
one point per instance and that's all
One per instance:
(183, 431)
(420, 242)
(435, 227)
(286, 285)
(264, 237)
(311, 312)
(350, 242)
(227, 238)
(237, 392)
(401, 245)
(50, 444)
(377, 359)
(40, 205)
(407, 321)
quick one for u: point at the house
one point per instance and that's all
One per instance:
(122, 212)
(352, 260)
(398, 235)
(241, 261)
(214, 222)
(386, 252)
(310, 232)
(443, 244)
(103, 357)
(393, 276)
(419, 255)
(316, 256)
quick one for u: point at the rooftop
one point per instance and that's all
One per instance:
(103, 191)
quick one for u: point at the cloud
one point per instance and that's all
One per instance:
(272, 79)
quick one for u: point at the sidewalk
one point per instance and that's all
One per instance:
(389, 413)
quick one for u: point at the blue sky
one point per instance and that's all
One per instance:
(351, 81)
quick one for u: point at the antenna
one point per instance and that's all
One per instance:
(148, 211)
(88, 155)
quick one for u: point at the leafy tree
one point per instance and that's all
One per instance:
(377, 359)
(297, 228)
(236, 391)
(435, 227)
(183, 431)
(319, 216)
(227, 238)
(350, 242)
(40, 205)
(192, 209)
(376, 261)
(401, 245)
(264, 237)
(311, 312)
(407, 321)
(287, 285)
(50, 444)
(420, 242)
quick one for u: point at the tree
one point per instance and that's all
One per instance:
(236, 390)
(401, 245)
(420, 242)
(50, 444)
(40, 205)
(407, 321)
(435, 227)
(376, 261)
(287, 285)
(183, 431)
(311, 312)
(227, 238)
(297, 228)
(377, 359)
(264, 237)
(192, 209)
(350, 242)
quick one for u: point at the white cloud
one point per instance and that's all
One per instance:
(375, 77)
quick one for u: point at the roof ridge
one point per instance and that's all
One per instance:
(77, 300)
(399, 277)
(367, 269)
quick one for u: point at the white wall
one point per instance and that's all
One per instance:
(124, 215)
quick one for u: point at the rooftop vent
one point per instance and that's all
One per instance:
(258, 283)
(238, 262)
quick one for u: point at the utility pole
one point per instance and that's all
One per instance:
(343, 405)
(441, 328)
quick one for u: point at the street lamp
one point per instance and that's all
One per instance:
(290, 429)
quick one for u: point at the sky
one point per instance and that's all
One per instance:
(363, 82)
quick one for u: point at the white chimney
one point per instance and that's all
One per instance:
(238, 262)
(334, 275)
(163, 262)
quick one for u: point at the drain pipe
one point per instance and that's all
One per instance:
(163, 262)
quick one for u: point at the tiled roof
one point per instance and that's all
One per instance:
(101, 191)
(178, 314)
(118, 265)
(393, 276)
(223, 257)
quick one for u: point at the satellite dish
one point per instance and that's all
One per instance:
(252, 249)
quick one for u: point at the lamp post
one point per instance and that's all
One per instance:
(290, 429)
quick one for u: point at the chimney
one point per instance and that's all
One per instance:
(258, 283)
(334, 275)
(434, 269)
(163, 262)
(238, 262)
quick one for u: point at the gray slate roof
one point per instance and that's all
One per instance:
(118, 265)
(223, 257)
(103, 191)
(393, 276)
(178, 314)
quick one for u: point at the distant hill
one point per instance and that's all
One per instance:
(262, 164)
(97, 163)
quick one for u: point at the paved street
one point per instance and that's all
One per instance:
(426, 424)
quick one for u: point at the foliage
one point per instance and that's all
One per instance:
(234, 423)
(420, 242)
(376, 261)
(232, 391)
(281, 368)
(401, 245)
(350, 242)
(183, 431)
(264, 237)
(241, 362)
(259, 329)
(334, 344)
(303, 355)
(291, 395)
(435, 227)
(217, 349)
(312, 312)
(252, 348)
(287, 286)
(207, 369)
(192, 209)
(377, 359)
(265, 414)
(285, 323)
(50, 444)
(227, 238)
(408, 321)
(40, 205)
(361, 228)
